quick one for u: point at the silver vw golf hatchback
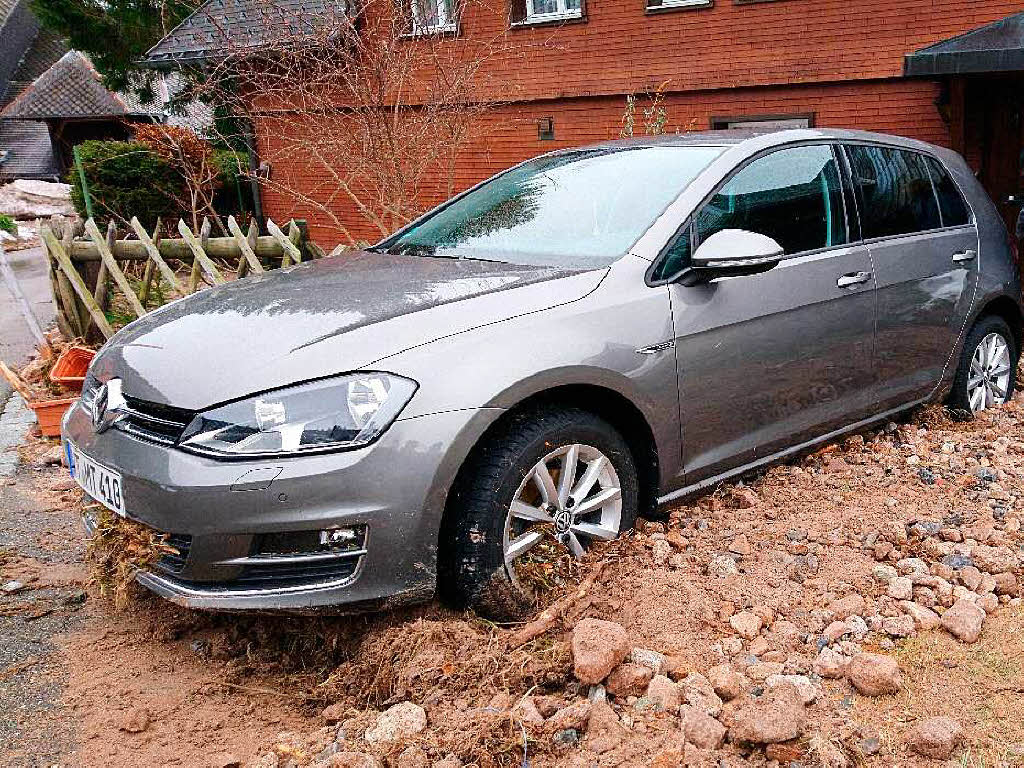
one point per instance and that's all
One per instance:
(522, 371)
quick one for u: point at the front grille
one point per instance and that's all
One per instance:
(175, 562)
(162, 424)
(283, 575)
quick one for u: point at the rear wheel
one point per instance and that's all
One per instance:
(538, 495)
(988, 367)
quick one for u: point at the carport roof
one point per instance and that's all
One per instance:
(997, 47)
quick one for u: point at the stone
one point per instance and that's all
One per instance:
(604, 731)
(398, 722)
(629, 680)
(884, 573)
(698, 692)
(988, 602)
(225, 760)
(746, 624)
(994, 559)
(808, 691)
(762, 670)
(334, 713)
(573, 717)
(785, 634)
(137, 720)
(700, 729)
(970, 577)
(1006, 584)
(727, 682)
(722, 566)
(777, 716)
(909, 565)
(856, 626)
(835, 630)
(526, 712)
(899, 626)
(597, 648)
(830, 664)
(740, 545)
(935, 737)
(845, 607)
(648, 658)
(901, 588)
(449, 762)
(663, 693)
(661, 550)
(413, 757)
(874, 675)
(924, 618)
(964, 621)
(353, 760)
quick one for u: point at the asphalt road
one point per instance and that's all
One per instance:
(16, 342)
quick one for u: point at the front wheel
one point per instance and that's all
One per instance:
(539, 494)
(988, 365)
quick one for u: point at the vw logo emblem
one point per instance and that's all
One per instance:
(109, 406)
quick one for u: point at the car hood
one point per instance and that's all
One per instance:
(319, 319)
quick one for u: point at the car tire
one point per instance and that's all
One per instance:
(987, 371)
(480, 526)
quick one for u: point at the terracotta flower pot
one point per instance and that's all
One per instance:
(70, 368)
(49, 413)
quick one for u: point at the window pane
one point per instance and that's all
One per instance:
(895, 191)
(573, 5)
(545, 6)
(792, 195)
(951, 201)
(581, 209)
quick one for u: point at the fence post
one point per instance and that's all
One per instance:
(107, 256)
(78, 283)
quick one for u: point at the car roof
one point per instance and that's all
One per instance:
(766, 137)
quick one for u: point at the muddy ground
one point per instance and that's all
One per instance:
(85, 684)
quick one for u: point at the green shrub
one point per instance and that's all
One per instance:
(126, 179)
(7, 224)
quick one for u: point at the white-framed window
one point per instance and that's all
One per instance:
(552, 10)
(429, 16)
(763, 122)
(657, 5)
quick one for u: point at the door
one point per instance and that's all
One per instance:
(924, 249)
(772, 360)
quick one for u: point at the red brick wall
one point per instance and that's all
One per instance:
(905, 107)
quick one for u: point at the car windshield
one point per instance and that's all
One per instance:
(582, 209)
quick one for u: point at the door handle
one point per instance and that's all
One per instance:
(852, 279)
(968, 255)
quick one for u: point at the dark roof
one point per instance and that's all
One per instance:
(18, 28)
(26, 151)
(997, 47)
(71, 89)
(45, 50)
(221, 27)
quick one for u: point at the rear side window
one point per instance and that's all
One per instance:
(895, 191)
(792, 195)
(951, 201)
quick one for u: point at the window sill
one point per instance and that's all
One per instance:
(449, 30)
(549, 20)
(694, 5)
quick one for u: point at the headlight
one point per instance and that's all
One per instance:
(329, 415)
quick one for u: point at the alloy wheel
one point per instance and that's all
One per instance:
(569, 499)
(989, 379)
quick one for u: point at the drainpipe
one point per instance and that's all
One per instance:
(254, 164)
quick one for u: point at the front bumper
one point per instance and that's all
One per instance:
(218, 513)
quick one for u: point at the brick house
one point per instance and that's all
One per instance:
(943, 71)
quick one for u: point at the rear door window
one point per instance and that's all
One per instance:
(951, 201)
(894, 190)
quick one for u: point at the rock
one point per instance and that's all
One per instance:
(413, 757)
(746, 624)
(964, 621)
(909, 565)
(874, 675)
(884, 573)
(924, 618)
(574, 717)
(334, 713)
(648, 658)
(970, 577)
(935, 737)
(727, 682)
(1006, 584)
(899, 626)
(353, 760)
(526, 712)
(762, 670)
(835, 630)
(856, 626)
(808, 691)
(137, 720)
(901, 588)
(267, 760)
(745, 498)
(777, 716)
(604, 731)
(12, 586)
(994, 559)
(629, 680)
(663, 693)
(785, 634)
(225, 760)
(722, 566)
(988, 602)
(845, 607)
(957, 561)
(567, 737)
(698, 692)
(700, 729)
(597, 648)
(830, 664)
(449, 762)
(398, 722)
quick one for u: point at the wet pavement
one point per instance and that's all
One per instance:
(16, 342)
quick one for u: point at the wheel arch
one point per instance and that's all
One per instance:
(1009, 310)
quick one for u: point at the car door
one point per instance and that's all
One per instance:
(924, 247)
(771, 360)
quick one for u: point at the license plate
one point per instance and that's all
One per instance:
(99, 482)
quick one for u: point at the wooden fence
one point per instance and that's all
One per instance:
(87, 267)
